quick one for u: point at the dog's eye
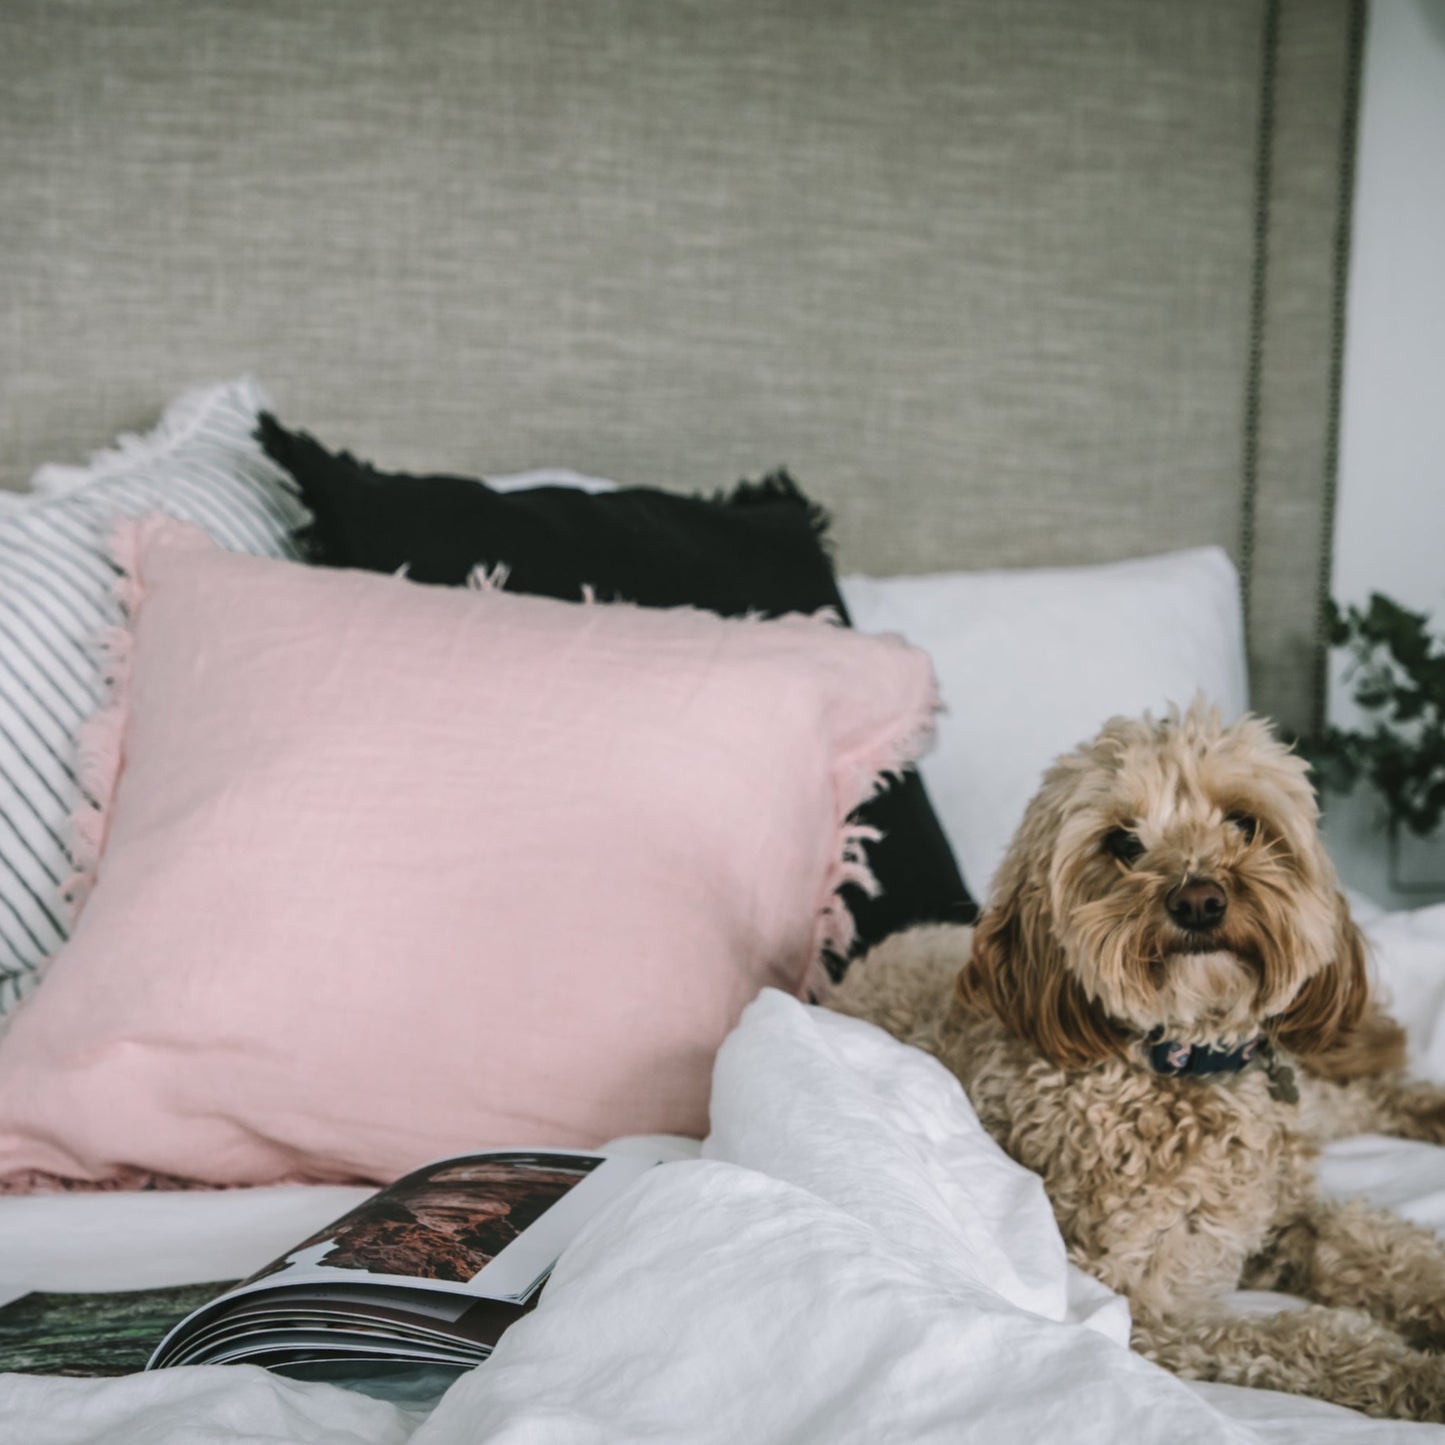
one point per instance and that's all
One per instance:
(1245, 824)
(1124, 845)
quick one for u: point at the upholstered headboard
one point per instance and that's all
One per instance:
(1013, 281)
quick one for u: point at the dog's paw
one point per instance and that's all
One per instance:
(1393, 1385)
(1430, 1118)
(1409, 1110)
(1418, 1391)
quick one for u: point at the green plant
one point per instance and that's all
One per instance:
(1397, 667)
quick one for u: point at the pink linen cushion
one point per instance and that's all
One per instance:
(390, 872)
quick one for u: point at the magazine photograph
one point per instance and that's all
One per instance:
(430, 1270)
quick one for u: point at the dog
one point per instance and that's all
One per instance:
(1162, 1011)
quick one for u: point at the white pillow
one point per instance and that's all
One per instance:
(550, 477)
(1030, 663)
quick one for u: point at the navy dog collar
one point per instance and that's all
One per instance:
(1168, 1057)
(1176, 1060)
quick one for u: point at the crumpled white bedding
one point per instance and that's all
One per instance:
(852, 1259)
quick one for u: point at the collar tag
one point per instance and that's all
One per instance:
(1281, 1078)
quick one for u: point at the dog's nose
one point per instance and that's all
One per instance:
(1197, 904)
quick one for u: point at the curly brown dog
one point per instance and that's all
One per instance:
(1163, 1009)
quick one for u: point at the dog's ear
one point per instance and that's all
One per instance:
(1017, 972)
(1324, 1021)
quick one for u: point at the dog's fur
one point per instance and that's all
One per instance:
(1176, 1191)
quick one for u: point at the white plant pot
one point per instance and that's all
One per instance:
(1417, 865)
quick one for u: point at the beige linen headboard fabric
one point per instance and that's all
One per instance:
(1006, 282)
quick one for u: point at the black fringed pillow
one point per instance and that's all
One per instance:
(759, 548)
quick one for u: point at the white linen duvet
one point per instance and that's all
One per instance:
(851, 1258)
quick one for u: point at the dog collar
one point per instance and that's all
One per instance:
(1174, 1059)
(1168, 1057)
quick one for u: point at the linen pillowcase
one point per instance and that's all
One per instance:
(1031, 662)
(391, 872)
(201, 464)
(759, 549)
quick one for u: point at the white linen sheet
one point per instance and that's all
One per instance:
(853, 1259)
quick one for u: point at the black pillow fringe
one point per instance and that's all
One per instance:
(779, 486)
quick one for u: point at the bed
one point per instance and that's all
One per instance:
(1020, 293)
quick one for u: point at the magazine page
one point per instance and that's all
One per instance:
(464, 1243)
(383, 1322)
(457, 1225)
(113, 1332)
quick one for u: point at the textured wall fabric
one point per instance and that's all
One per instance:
(979, 274)
(1312, 140)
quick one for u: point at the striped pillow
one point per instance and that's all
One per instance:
(201, 465)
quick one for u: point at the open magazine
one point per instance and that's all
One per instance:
(431, 1270)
